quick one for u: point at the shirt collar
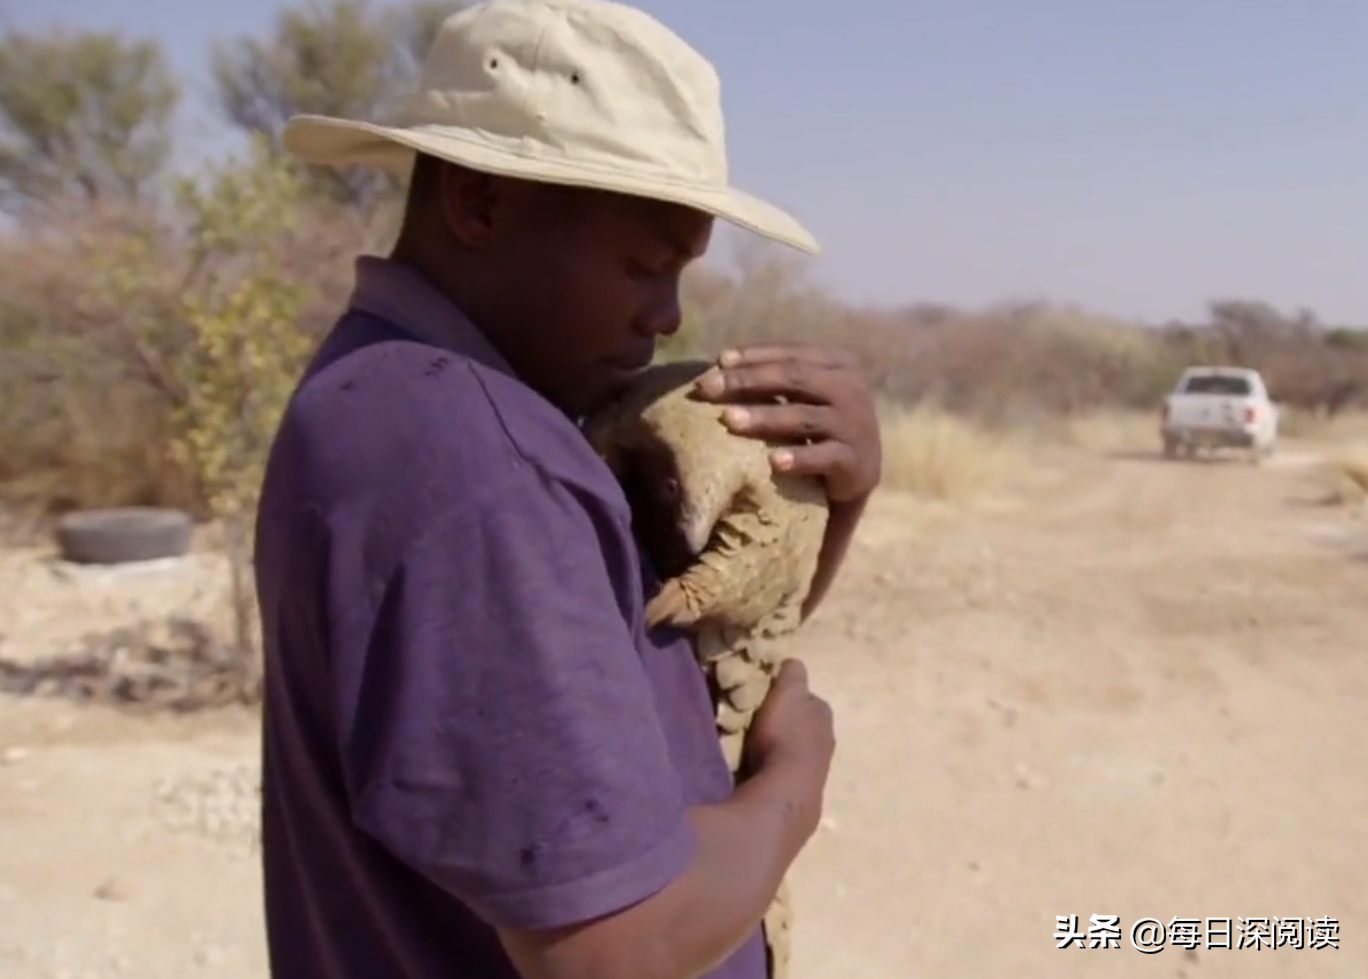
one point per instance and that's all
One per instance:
(399, 294)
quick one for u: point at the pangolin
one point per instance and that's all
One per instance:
(734, 543)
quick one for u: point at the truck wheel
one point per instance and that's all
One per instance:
(123, 535)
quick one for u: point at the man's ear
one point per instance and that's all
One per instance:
(467, 201)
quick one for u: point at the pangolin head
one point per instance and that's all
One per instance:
(662, 445)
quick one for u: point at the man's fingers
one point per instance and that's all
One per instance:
(792, 672)
(794, 380)
(819, 356)
(818, 459)
(796, 423)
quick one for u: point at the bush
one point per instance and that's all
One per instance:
(237, 344)
(144, 354)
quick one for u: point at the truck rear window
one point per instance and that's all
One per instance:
(1229, 385)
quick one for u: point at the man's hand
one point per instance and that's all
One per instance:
(828, 424)
(828, 421)
(792, 727)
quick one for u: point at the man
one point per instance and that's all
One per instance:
(477, 763)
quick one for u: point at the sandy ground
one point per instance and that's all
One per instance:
(1131, 690)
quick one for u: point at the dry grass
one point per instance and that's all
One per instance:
(1343, 480)
(938, 456)
(1111, 430)
(1349, 426)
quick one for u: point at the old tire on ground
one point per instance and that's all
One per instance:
(123, 535)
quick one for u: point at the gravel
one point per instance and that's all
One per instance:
(219, 806)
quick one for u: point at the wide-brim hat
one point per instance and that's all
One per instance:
(583, 93)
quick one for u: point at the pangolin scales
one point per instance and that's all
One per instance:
(734, 543)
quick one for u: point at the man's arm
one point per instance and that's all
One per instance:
(500, 736)
(745, 846)
(840, 531)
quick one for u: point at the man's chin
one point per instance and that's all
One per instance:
(590, 398)
(620, 379)
(597, 392)
(613, 382)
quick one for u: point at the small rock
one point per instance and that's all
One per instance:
(828, 823)
(1006, 712)
(113, 889)
(13, 756)
(206, 956)
(1027, 779)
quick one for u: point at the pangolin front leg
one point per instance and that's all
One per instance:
(709, 586)
(704, 598)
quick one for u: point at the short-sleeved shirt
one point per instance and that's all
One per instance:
(466, 724)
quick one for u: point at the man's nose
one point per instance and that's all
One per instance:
(665, 317)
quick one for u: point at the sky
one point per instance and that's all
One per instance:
(1135, 157)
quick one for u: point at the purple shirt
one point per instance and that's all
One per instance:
(466, 724)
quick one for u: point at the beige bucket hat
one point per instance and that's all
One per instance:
(586, 93)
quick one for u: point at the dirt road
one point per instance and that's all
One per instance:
(1133, 690)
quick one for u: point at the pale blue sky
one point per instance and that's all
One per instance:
(1134, 156)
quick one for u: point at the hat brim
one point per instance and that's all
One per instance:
(328, 141)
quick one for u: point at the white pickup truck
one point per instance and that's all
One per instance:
(1217, 408)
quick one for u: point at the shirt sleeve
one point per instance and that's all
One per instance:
(501, 734)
